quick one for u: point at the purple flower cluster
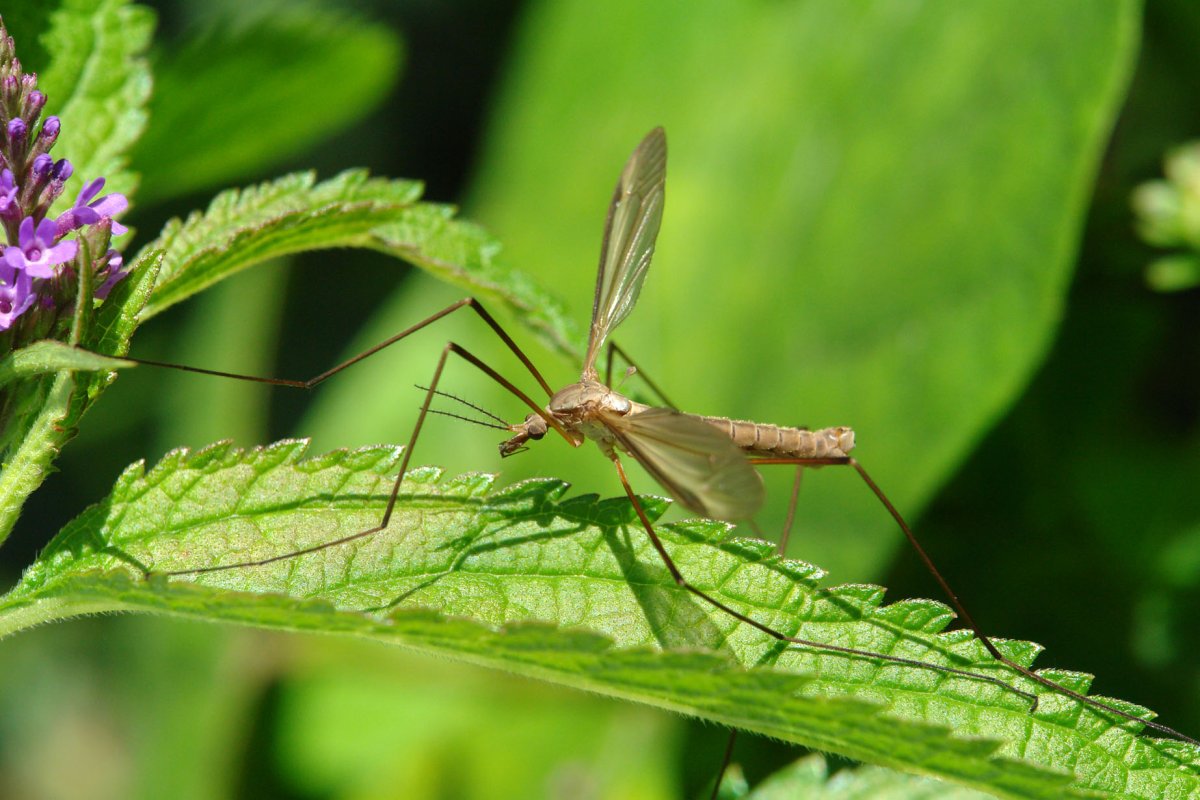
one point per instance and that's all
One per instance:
(44, 256)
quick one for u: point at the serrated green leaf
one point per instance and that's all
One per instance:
(98, 83)
(121, 312)
(295, 214)
(244, 227)
(569, 590)
(809, 778)
(206, 131)
(466, 255)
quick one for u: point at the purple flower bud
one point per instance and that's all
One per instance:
(17, 129)
(50, 129)
(62, 170)
(36, 100)
(8, 85)
(42, 163)
(28, 82)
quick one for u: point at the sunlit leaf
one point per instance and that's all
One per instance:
(568, 589)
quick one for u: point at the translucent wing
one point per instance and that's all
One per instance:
(700, 466)
(629, 234)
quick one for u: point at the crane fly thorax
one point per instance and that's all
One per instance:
(578, 408)
(581, 406)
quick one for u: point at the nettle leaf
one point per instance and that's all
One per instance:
(568, 589)
(809, 778)
(99, 84)
(270, 118)
(293, 214)
(466, 255)
(244, 227)
(118, 317)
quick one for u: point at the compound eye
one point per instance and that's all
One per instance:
(535, 426)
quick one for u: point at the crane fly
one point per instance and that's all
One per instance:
(708, 464)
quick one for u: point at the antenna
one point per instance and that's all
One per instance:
(497, 422)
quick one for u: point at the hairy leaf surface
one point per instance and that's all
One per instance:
(530, 580)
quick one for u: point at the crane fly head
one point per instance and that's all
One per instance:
(534, 427)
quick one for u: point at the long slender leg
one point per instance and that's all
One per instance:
(728, 757)
(467, 302)
(961, 610)
(682, 583)
(610, 350)
(614, 348)
(450, 347)
(781, 548)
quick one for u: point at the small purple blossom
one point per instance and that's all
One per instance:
(36, 254)
(16, 294)
(88, 212)
(40, 266)
(9, 208)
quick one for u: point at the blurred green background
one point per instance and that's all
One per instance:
(913, 219)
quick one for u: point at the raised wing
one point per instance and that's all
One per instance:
(629, 234)
(700, 466)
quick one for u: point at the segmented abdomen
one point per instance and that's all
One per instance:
(760, 439)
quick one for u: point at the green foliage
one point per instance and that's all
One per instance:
(468, 256)
(43, 412)
(919, 176)
(905, 216)
(295, 214)
(242, 228)
(463, 569)
(45, 357)
(206, 131)
(99, 84)
(809, 778)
